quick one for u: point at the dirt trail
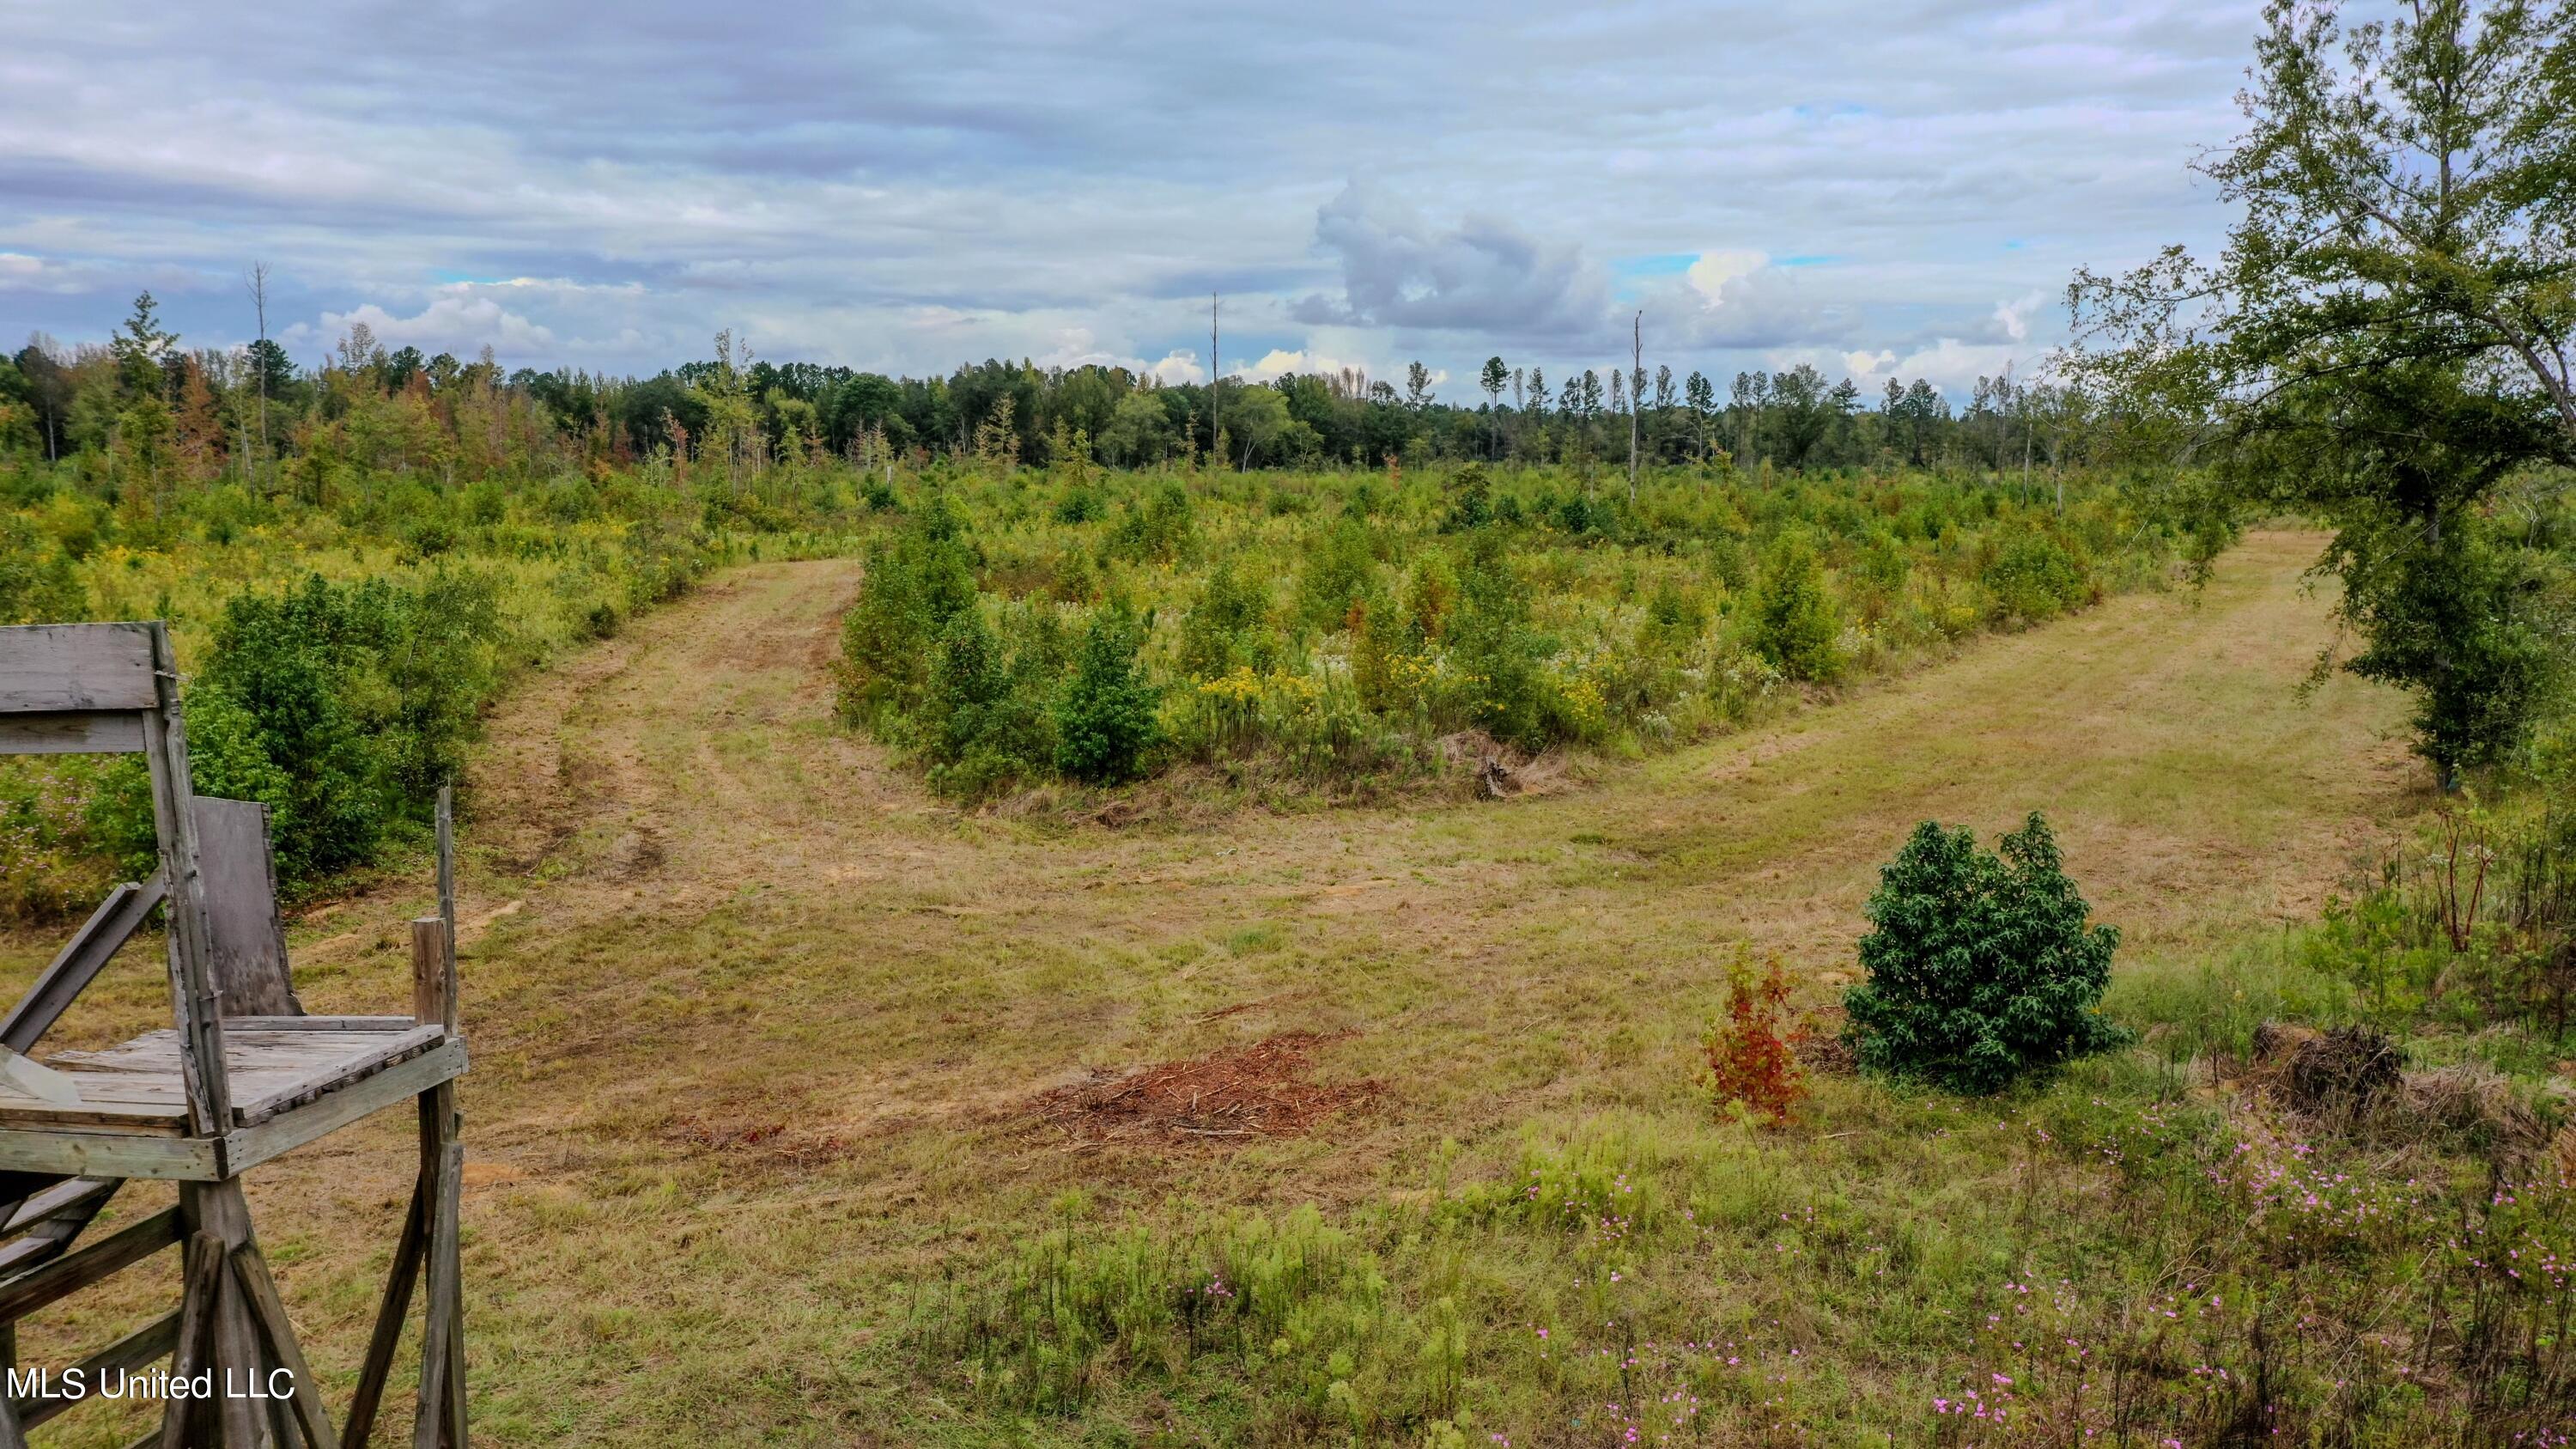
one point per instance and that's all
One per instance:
(756, 1024)
(713, 877)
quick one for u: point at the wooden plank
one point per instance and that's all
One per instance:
(435, 1422)
(245, 1024)
(46, 1240)
(92, 947)
(269, 1311)
(157, 1119)
(72, 1272)
(340, 1071)
(251, 1146)
(77, 667)
(67, 733)
(391, 1310)
(73, 1152)
(89, 1152)
(60, 1198)
(245, 937)
(148, 1344)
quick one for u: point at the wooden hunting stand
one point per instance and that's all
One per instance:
(242, 1076)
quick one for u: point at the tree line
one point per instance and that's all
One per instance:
(143, 410)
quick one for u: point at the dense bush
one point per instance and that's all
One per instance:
(343, 707)
(984, 728)
(1105, 722)
(1981, 967)
(2034, 578)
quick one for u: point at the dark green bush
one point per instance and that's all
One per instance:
(1160, 528)
(344, 707)
(982, 728)
(1981, 967)
(1105, 718)
(1341, 570)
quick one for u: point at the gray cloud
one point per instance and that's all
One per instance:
(910, 187)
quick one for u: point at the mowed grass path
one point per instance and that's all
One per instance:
(755, 1022)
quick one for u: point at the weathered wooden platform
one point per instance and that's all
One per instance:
(293, 1078)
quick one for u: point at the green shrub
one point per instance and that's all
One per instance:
(1981, 968)
(917, 581)
(1105, 717)
(1160, 528)
(343, 707)
(1229, 627)
(981, 733)
(1341, 570)
(2034, 578)
(1795, 627)
(36, 583)
(1493, 652)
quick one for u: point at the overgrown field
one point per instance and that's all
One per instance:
(811, 1108)
(341, 646)
(1294, 631)
(796, 1114)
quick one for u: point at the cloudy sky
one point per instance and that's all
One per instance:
(1896, 186)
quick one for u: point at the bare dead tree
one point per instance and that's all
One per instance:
(1636, 405)
(1216, 437)
(258, 282)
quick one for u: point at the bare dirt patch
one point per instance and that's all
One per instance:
(1261, 1090)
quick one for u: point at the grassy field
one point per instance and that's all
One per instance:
(779, 1133)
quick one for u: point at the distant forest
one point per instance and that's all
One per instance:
(144, 407)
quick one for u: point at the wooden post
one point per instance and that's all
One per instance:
(196, 1342)
(447, 895)
(193, 1001)
(217, 1210)
(432, 1001)
(439, 1420)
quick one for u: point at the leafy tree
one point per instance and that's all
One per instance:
(2385, 339)
(1492, 380)
(1808, 409)
(1417, 386)
(1105, 719)
(1701, 397)
(1981, 967)
(142, 349)
(1139, 430)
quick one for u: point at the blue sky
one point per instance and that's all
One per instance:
(1882, 189)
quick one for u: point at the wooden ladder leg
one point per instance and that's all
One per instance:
(186, 1421)
(13, 1435)
(440, 1418)
(300, 1415)
(218, 1210)
(409, 1250)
